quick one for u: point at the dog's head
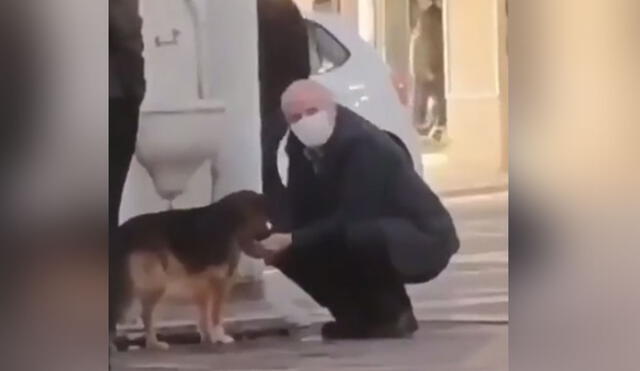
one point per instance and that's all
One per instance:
(249, 209)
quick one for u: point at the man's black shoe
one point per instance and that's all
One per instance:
(404, 326)
(343, 331)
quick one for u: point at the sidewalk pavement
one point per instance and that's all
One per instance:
(449, 183)
(435, 347)
(273, 334)
(277, 307)
(449, 177)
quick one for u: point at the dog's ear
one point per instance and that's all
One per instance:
(261, 203)
(227, 215)
(252, 203)
(244, 209)
(234, 213)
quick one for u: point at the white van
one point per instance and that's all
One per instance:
(360, 80)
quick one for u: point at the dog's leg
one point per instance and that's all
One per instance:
(223, 287)
(204, 301)
(149, 301)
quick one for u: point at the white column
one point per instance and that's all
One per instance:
(504, 84)
(304, 5)
(232, 70)
(396, 35)
(367, 20)
(474, 83)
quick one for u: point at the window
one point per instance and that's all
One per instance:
(325, 51)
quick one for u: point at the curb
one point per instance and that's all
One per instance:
(474, 191)
(186, 332)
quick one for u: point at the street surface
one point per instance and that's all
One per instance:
(463, 315)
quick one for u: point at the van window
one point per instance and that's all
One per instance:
(325, 51)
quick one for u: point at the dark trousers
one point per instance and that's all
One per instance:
(351, 273)
(123, 129)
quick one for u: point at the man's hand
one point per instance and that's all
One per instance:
(254, 249)
(275, 244)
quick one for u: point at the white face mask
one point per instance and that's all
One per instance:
(314, 130)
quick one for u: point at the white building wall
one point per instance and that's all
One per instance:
(474, 92)
(232, 53)
(201, 62)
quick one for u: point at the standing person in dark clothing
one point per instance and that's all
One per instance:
(284, 58)
(19, 91)
(427, 68)
(364, 223)
(126, 91)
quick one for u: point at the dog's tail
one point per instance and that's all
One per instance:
(120, 284)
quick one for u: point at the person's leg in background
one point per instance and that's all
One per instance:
(123, 129)
(431, 110)
(442, 101)
(419, 102)
(438, 129)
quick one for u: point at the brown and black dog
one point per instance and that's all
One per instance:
(189, 255)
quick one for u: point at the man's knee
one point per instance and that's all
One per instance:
(365, 233)
(414, 255)
(452, 244)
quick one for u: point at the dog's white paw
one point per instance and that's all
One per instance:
(225, 339)
(218, 335)
(157, 345)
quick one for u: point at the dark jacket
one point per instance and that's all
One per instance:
(363, 175)
(427, 46)
(126, 63)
